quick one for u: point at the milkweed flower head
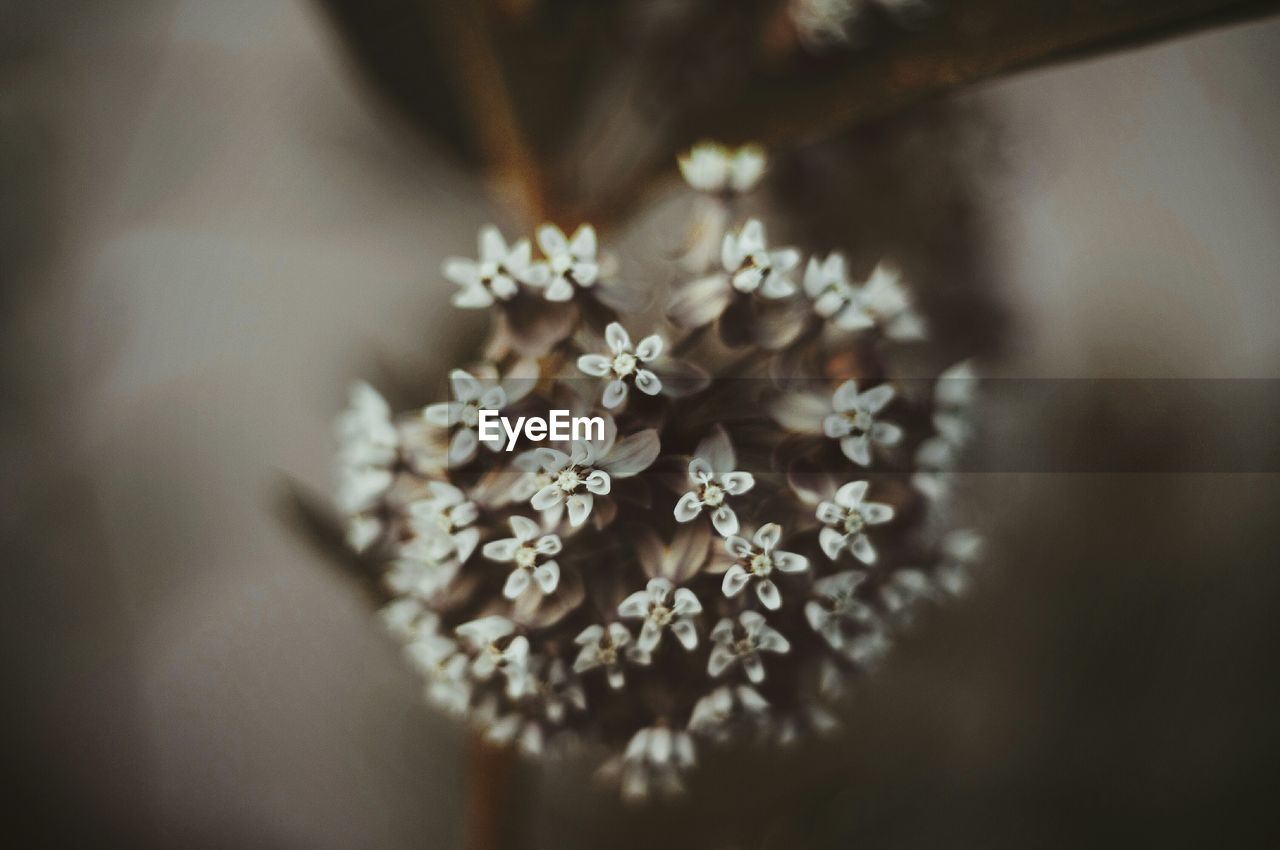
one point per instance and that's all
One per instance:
(732, 548)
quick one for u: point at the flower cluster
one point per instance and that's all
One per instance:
(740, 541)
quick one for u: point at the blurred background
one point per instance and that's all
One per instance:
(214, 215)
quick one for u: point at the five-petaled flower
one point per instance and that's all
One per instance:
(835, 608)
(748, 267)
(714, 480)
(497, 647)
(496, 275)
(713, 168)
(527, 550)
(846, 520)
(662, 605)
(570, 262)
(577, 478)
(470, 396)
(625, 362)
(443, 522)
(743, 644)
(603, 647)
(755, 560)
(655, 758)
(854, 421)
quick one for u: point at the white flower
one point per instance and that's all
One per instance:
(756, 560)
(439, 659)
(570, 262)
(510, 728)
(753, 267)
(369, 446)
(847, 519)
(748, 266)
(713, 713)
(589, 471)
(854, 421)
(491, 639)
(419, 571)
(602, 647)
(712, 475)
(655, 759)
(443, 521)
(888, 303)
(834, 298)
(714, 168)
(470, 396)
(744, 644)
(835, 608)
(661, 608)
(494, 275)
(526, 550)
(953, 392)
(626, 362)
(961, 549)
(560, 690)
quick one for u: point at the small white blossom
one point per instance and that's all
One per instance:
(847, 519)
(662, 605)
(491, 638)
(744, 644)
(709, 167)
(577, 478)
(527, 550)
(560, 690)
(888, 303)
(712, 475)
(603, 647)
(655, 760)
(854, 421)
(834, 298)
(753, 267)
(755, 560)
(570, 263)
(713, 713)
(961, 549)
(835, 608)
(510, 728)
(625, 362)
(470, 396)
(369, 444)
(953, 393)
(495, 275)
(443, 522)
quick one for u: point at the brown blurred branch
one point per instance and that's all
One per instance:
(489, 784)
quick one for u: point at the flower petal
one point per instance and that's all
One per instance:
(465, 387)
(836, 426)
(647, 382)
(768, 594)
(875, 399)
(851, 495)
(863, 550)
(876, 513)
(523, 528)
(649, 348)
(790, 562)
(721, 659)
(547, 497)
(734, 580)
(501, 550)
(767, 536)
(617, 338)
(551, 240)
(886, 433)
(737, 483)
(462, 448)
(636, 605)
(685, 633)
(688, 507)
(829, 513)
(832, 542)
(579, 506)
(516, 584)
(857, 449)
(583, 243)
(595, 365)
(738, 547)
(845, 398)
(686, 602)
(547, 576)
(559, 290)
(635, 453)
(598, 482)
(650, 636)
(614, 394)
(549, 544)
(725, 521)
